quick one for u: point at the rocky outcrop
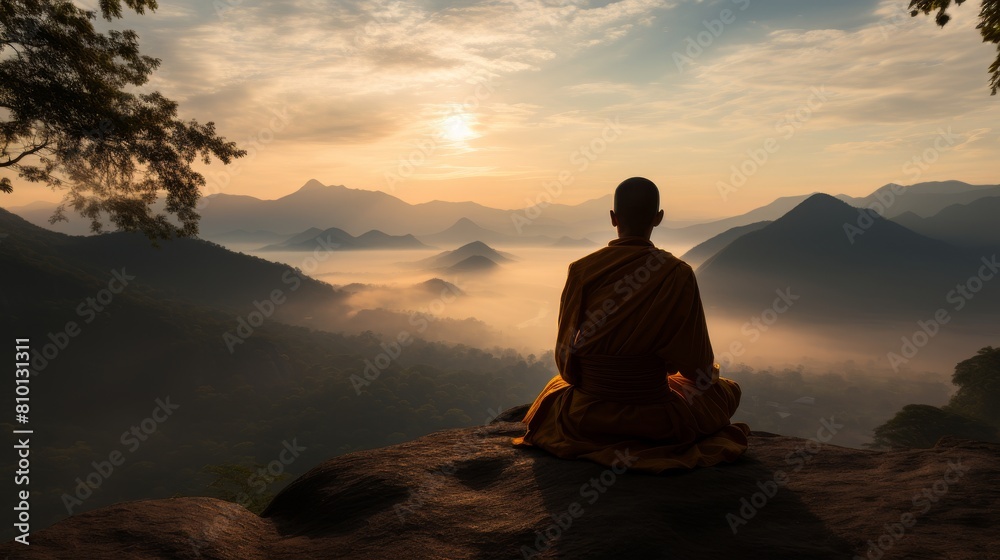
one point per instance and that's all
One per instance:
(468, 494)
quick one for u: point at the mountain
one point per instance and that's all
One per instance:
(311, 234)
(39, 212)
(475, 263)
(704, 251)
(189, 270)
(467, 493)
(883, 271)
(375, 239)
(195, 326)
(567, 241)
(336, 239)
(449, 259)
(698, 233)
(358, 210)
(924, 199)
(465, 231)
(437, 286)
(243, 236)
(975, 224)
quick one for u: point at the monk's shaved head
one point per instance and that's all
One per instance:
(637, 204)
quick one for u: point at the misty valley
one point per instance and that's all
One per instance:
(334, 320)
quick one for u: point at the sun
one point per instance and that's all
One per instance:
(458, 128)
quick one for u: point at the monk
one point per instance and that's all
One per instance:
(637, 381)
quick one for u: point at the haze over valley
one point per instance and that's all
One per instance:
(813, 306)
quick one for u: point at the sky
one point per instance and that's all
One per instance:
(725, 104)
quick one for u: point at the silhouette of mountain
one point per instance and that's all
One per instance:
(375, 239)
(467, 493)
(311, 234)
(362, 210)
(128, 325)
(976, 224)
(567, 241)
(924, 199)
(838, 268)
(190, 270)
(336, 239)
(475, 263)
(702, 252)
(698, 233)
(448, 259)
(358, 210)
(243, 236)
(437, 286)
(465, 231)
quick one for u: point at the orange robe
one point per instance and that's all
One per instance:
(637, 377)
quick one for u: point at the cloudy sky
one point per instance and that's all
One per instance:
(726, 104)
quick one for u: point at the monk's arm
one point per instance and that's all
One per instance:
(568, 325)
(699, 363)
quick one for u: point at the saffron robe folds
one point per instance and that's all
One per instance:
(637, 382)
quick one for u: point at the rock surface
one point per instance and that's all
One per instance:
(468, 494)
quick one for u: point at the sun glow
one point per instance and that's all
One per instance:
(458, 128)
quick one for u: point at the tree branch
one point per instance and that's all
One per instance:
(34, 150)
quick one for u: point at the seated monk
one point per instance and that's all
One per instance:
(637, 376)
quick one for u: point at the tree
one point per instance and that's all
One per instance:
(972, 413)
(243, 484)
(922, 425)
(989, 26)
(978, 381)
(70, 118)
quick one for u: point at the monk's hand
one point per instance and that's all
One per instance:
(703, 377)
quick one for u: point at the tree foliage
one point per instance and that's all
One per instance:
(978, 381)
(245, 485)
(989, 26)
(972, 413)
(70, 118)
(922, 425)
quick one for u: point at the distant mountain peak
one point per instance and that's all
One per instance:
(311, 185)
(820, 204)
(478, 245)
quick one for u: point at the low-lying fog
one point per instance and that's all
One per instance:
(519, 303)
